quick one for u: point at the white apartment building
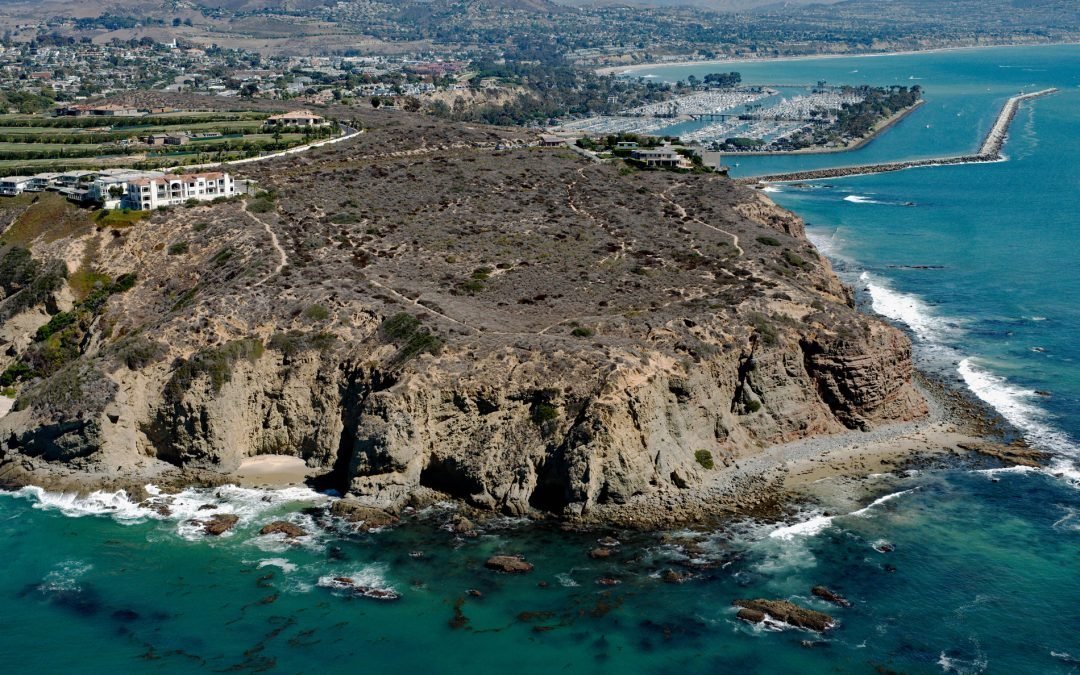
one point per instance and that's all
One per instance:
(13, 185)
(173, 189)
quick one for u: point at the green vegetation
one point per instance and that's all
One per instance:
(261, 204)
(412, 338)
(137, 352)
(119, 217)
(179, 248)
(753, 405)
(344, 218)
(768, 241)
(764, 329)
(582, 331)
(295, 342)
(316, 313)
(213, 363)
(793, 259)
(705, 459)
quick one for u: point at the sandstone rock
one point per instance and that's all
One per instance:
(600, 553)
(508, 563)
(787, 612)
(830, 596)
(290, 530)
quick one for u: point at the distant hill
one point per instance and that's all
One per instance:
(712, 5)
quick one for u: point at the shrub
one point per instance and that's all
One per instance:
(705, 459)
(753, 405)
(399, 326)
(582, 331)
(15, 372)
(472, 286)
(316, 313)
(199, 227)
(260, 205)
(221, 257)
(794, 260)
(294, 342)
(765, 329)
(542, 413)
(768, 241)
(344, 218)
(137, 352)
(56, 324)
(412, 338)
(179, 248)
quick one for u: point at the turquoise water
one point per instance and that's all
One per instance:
(985, 574)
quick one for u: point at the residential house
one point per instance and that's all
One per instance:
(297, 118)
(665, 157)
(13, 185)
(549, 141)
(166, 139)
(173, 189)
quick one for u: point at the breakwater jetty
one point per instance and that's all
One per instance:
(989, 151)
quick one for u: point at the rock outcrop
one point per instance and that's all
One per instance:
(755, 611)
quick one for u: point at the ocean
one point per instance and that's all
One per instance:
(980, 263)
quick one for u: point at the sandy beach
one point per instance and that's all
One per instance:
(272, 471)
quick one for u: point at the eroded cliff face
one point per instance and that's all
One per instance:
(681, 341)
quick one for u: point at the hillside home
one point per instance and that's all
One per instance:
(665, 157)
(297, 118)
(13, 185)
(173, 189)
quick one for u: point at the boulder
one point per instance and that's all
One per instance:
(599, 553)
(751, 615)
(789, 613)
(508, 563)
(355, 512)
(218, 524)
(830, 596)
(284, 527)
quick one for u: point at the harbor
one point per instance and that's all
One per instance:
(989, 151)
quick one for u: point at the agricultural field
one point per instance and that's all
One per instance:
(34, 143)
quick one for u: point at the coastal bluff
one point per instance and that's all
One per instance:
(436, 314)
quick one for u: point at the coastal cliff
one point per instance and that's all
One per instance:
(511, 328)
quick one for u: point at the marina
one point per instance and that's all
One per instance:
(990, 151)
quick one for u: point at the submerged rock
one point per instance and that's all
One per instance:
(785, 612)
(508, 563)
(830, 596)
(358, 589)
(290, 530)
(599, 553)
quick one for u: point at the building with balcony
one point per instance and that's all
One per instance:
(154, 192)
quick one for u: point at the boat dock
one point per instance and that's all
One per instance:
(989, 151)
